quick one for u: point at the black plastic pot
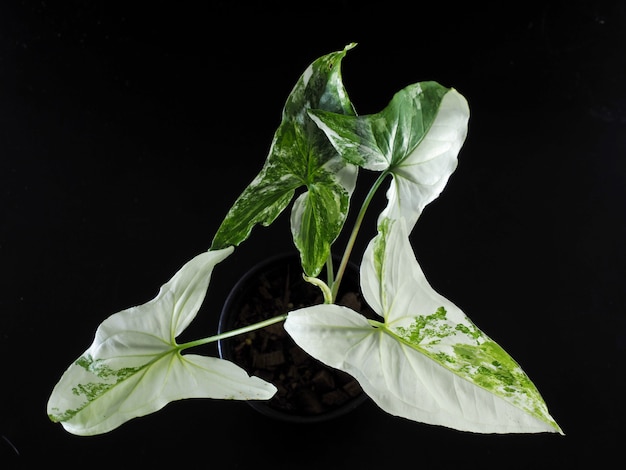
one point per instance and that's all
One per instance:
(308, 391)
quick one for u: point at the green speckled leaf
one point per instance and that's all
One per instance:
(134, 366)
(301, 156)
(426, 360)
(416, 138)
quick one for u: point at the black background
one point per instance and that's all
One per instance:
(127, 129)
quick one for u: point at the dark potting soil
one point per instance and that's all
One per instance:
(305, 386)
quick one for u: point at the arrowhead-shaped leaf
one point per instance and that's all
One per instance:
(427, 361)
(416, 138)
(301, 155)
(134, 366)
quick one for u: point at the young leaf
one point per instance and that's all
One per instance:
(134, 366)
(427, 361)
(416, 138)
(301, 155)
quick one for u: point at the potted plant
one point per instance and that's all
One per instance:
(420, 358)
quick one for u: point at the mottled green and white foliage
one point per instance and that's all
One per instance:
(135, 367)
(416, 139)
(425, 361)
(301, 156)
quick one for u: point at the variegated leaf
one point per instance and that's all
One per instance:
(416, 139)
(301, 155)
(135, 367)
(426, 361)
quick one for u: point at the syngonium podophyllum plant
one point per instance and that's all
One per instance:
(422, 359)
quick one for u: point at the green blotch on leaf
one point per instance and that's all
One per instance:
(492, 368)
(432, 327)
(470, 354)
(93, 390)
(471, 332)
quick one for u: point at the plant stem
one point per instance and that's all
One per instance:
(353, 235)
(328, 298)
(238, 331)
(330, 272)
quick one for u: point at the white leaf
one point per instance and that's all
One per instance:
(134, 366)
(427, 362)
